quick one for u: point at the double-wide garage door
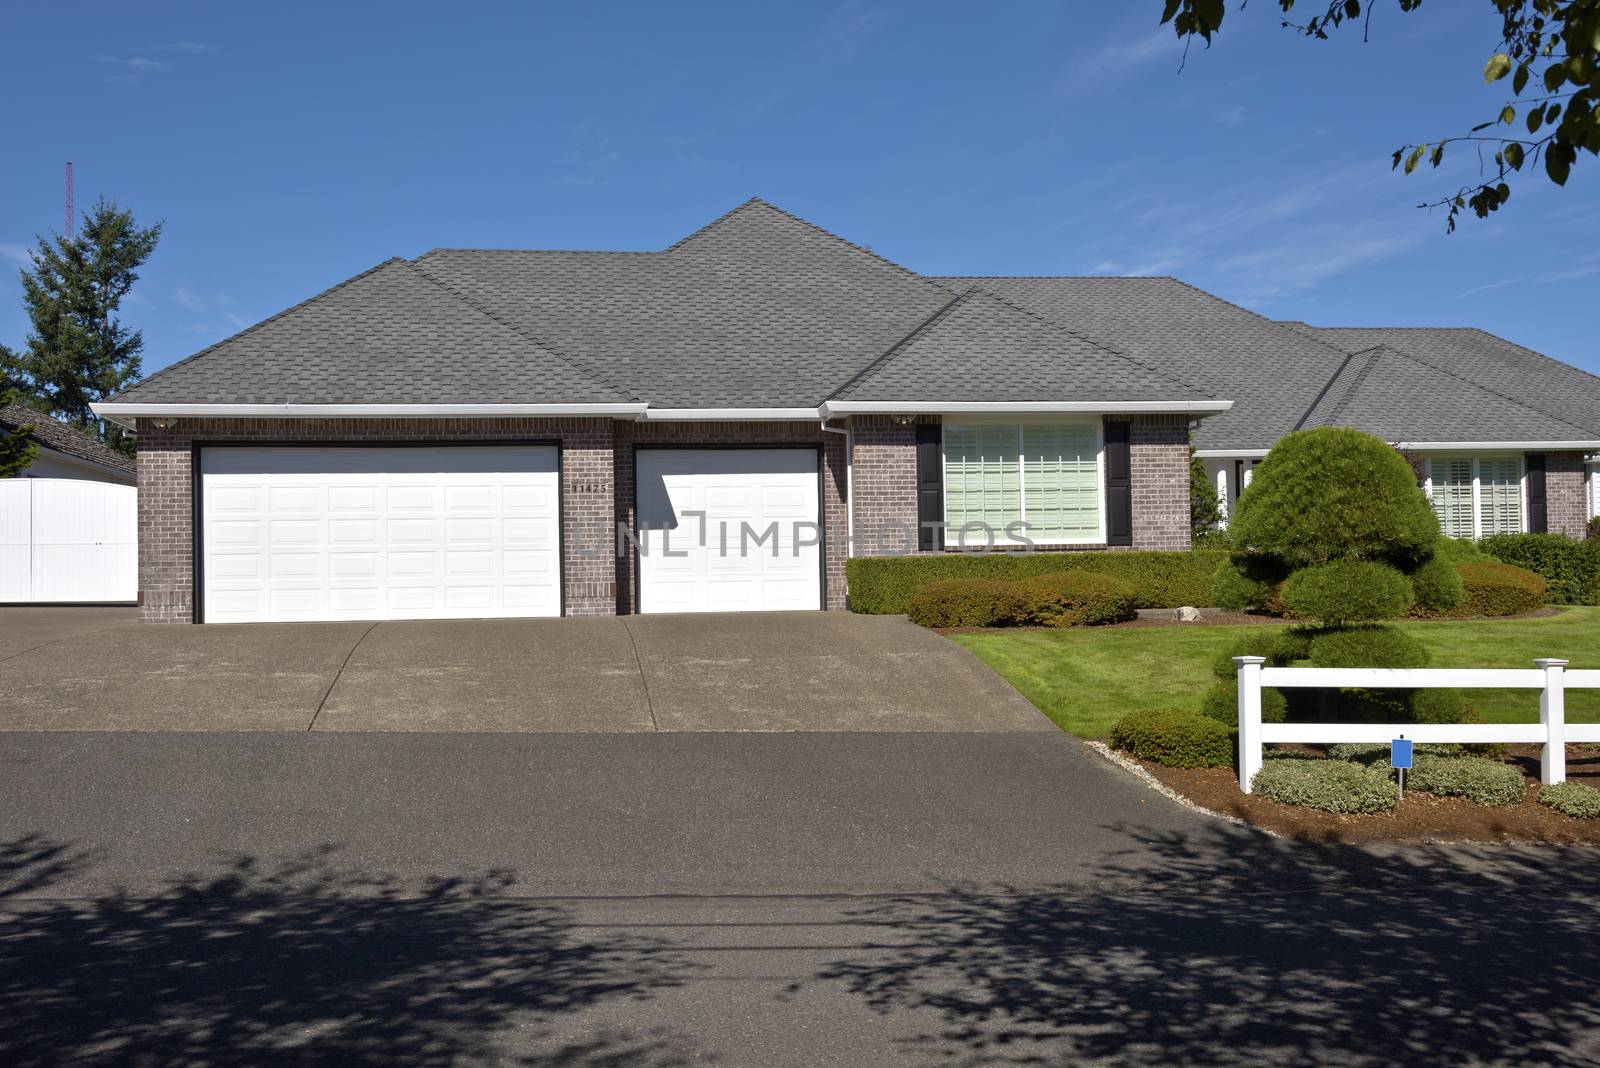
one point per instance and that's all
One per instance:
(426, 532)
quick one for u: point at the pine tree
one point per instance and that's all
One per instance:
(17, 449)
(79, 352)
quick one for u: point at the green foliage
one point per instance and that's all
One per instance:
(1551, 48)
(1334, 494)
(1077, 598)
(1205, 506)
(1329, 785)
(1374, 647)
(1370, 753)
(1571, 569)
(1265, 643)
(1232, 589)
(78, 351)
(17, 449)
(1174, 738)
(1347, 591)
(1592, 531)
(1458, 550)
(1437, 588)
(882, 585)
(1221, 703)
(1571, 799)
(1439, 706)
(1484, 782)
(967, 603)
(1496, 589)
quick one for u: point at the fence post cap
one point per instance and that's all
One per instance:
(1243, 660)
(1550, 662)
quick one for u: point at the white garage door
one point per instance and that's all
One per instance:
(380, 532)
(728, 530)
(65, 540)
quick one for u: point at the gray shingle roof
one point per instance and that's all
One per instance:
(62, 437)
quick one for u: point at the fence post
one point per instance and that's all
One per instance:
(1249, 718)
(1553, 714)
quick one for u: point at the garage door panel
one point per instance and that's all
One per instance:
(742, 556)
(379, 532)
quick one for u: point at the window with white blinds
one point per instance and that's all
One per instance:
(1476, 496)
(1046, 475)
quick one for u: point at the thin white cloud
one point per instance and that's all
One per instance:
(135, 64)
(1490, 285)
(1119, 58)
(190, 46)
(852, 26)
(190, 299)
(14, 253)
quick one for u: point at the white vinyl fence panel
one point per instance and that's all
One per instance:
(1550, 679)
(64, 540)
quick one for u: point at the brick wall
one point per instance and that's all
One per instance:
(884, 481)
(630, 436)
(1565, 487)
(166, 495)
(1160, 476)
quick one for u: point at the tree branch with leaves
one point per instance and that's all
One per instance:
(1552, 46)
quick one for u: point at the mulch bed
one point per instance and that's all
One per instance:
(1419, 817)
(1217, 618)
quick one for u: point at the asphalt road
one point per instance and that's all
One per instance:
(739, 899)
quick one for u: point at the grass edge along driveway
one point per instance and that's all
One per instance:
(1086, 678)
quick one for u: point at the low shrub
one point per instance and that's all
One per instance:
(1329, 785)
(1175, 738)
(1374, 647)
(1267, 643)
(1592, 531)
(1373, 752)
(1570, 568)
(1347, 591)
(1484, 782)
(882, 585)
(1234, 591)
(1496, 589)
(967, 603)
(1571, 799)
(1458, 550)
(1221, 703)
(1437, 588)
(1077, 598)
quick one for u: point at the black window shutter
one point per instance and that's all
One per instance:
(1538, 509)
(1119, 483)
(930, 487)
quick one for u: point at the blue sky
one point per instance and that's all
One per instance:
(290, 146)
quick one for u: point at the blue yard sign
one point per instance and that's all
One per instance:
(1400, 753)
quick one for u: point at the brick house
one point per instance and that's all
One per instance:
(715, 426)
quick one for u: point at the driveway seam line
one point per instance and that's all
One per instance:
(643, 681)
(52, 641)
(340, 674)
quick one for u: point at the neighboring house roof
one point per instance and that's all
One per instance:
(62, 437)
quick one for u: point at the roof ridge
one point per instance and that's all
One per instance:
(269, 319)
(888, 355)
(545, 251)
(1257, 315)
(576, 365)
(1356, 382)
(1068, 277)
(991, 294)
(758, 202)
(1413, 357)
(1323, 392)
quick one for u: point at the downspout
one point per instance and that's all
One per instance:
(849, 482)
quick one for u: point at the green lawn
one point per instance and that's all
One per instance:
(1085, 678)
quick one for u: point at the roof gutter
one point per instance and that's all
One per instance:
(123, 412)
(833, 409)
(652, 415)
(1535, 446)
(1230, 454)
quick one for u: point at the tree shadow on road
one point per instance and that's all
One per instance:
(300, 962)
(1227, 947)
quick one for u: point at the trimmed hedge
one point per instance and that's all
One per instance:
(1329, 785)
(1347, 591)
(1571, 569)
(967, 603)
(1077, 598)
(1372, 752)
(1374, 647)
(1221, 703)
(1485, 782)
(1175, 738)
(1438, 588)
(1496, 589)
(1572, 799)
(882, 585)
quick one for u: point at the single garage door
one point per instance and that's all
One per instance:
(728, 530)
(427, 532)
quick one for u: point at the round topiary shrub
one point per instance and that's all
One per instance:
(1495, 589)
(1458, 550)
(1329, 785)
(1346, 591)
(1263, 643)
(1571, 799)
(1440, 706)
(1221, 703)
(1437, 588)
(1334, 493)
(967, 603)
(1078, 598)
(1175, 738)
(1484, 782)
(1234, 591)
(1374, 647)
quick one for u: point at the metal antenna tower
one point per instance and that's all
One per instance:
(69, 199)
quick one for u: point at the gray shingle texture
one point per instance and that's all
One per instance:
(62, 437)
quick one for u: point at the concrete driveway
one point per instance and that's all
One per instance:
(97, 669)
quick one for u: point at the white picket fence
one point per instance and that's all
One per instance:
(1551, 678)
